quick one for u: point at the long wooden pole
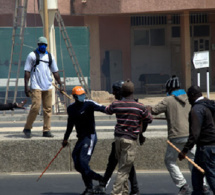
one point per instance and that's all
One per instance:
(63, 92)
(49, 164)
(46, 21)
(193, 163)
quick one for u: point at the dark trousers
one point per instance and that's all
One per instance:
(205, 158)
(81, 155)
(112, 162)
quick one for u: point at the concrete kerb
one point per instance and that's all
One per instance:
(33, 155)
(19, 154)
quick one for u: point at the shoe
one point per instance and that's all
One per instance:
(47, 134)
(27, 133)
(134, 190)
(99, 189)
(205, 190)
(185, 190)
(104, 183)
(88, 191)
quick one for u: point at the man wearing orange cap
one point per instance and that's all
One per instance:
(81, 115)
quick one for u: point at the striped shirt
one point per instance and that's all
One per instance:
(129, 114)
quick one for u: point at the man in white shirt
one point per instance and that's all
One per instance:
(38, 68)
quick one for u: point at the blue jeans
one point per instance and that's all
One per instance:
(81, 156)
(205, 158)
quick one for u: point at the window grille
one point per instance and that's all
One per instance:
(199, 18)
(175, 19)
(148, 20)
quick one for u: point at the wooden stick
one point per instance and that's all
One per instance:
(193, 163)
(49, 164)
(63, 92)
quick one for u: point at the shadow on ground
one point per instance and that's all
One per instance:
(59, 193)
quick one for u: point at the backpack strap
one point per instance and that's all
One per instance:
(38, 59)
(50, 59)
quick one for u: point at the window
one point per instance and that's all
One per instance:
(141, 37)
(147, 20)
(176, 31)
(157, 37)
(201, 31)
(152, 37)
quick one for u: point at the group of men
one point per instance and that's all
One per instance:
(190, 128)
(132, 119)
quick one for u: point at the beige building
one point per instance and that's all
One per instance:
(135, 38)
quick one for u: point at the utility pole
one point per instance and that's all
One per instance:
(46, 21)
(47, 11)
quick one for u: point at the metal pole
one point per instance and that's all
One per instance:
(46, 21)
(198, 78)
(208, 84)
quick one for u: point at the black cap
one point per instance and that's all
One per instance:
(117, 85)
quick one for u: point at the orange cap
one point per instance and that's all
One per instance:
(78, 90)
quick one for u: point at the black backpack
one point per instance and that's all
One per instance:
(38, 59)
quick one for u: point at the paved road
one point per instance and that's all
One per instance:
(150, 183)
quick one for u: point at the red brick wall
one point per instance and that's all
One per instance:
(7, 7)
(63, 5)
(114, 6)
(6, 20)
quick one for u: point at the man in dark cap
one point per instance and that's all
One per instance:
(176, 108)
(202, 133)
(129, 114)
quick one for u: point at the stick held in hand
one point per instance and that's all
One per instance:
(63, 92)
(49, 164)
(193, 163)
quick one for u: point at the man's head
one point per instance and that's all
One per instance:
(193, 93)
(127, 88)
(117, 89)
(42, 44)
(172, 84)
(78, 93)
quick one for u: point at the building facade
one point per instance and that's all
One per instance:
(133, 38)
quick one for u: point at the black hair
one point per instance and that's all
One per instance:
(194, 91)
(117, 89)
(127, 88)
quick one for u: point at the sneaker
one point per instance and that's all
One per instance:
(99, 189)
(88, 191)
(27, 133)
(47, 134)
(185, 190)
(205, 190)
(104, 183)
